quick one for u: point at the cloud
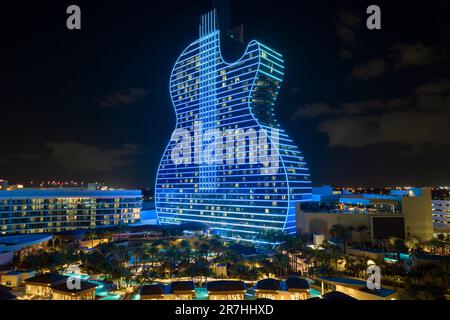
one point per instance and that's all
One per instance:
(347, 35)
(372, 69)
(437, 86)
(124, 98)
(312, 110)
(77, 156)
(346, 27)
(420, 121)
(345, 54)
(294, 91)
(417, 54)
(411, 128)
(321, 109)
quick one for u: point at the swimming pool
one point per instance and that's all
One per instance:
(100, 290)
(314, 293)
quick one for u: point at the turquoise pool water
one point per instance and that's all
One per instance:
(314, 293)
(392, 257)
(201, 294)
(100, 290)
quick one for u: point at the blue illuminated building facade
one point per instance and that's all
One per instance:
(229, 164)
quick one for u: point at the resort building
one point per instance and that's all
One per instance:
(355, 288)
(177, 290)
(183, 290)
(54, 287)
(270, 289)
(441, 216)
(85, 292)
(9, 245)
(16, 278)
(152, 292)
(229, 163)
(226, 290)
(26, 211)
(293, 288)
(405, 214)
(298, 288)
(41, 285)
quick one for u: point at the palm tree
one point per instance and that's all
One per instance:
(171, 258)
(396, 245)
(442, 242)
(341, 234)
(413, 245)
(92, 235)
(244, 272)
(203, 270)
(216, 245)
(203, 248)
(190, 271)
(152, 253)
(293, 245)
(149, 275)
(267, 268)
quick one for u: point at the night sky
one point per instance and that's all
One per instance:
(367, 108)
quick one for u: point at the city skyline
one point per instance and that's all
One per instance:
(349, 97)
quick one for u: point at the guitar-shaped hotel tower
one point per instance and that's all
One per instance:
(229, 164)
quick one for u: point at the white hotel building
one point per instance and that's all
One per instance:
(441, 215)
(27, 211)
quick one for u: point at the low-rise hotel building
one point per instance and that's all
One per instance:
(441, 215)
(54, 287)
(177, 290)
(294, 288)
(226, 290)
(405, 214)
(25, 211)
(16, 278)
(86, 291)
(153, 292)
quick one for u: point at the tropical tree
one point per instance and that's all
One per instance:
(413, 245)
(342, 234)
(267, 268)
(149, 275)
(217, 245)
(171, 258)
(396, 245)
(244, 272)
(292, 247)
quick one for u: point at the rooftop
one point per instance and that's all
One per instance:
(83, 287)
(152, 289)
(182, 286)
(49, 279)
(269, 285)
(66, 193)
(225, 285)
(294, 283)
